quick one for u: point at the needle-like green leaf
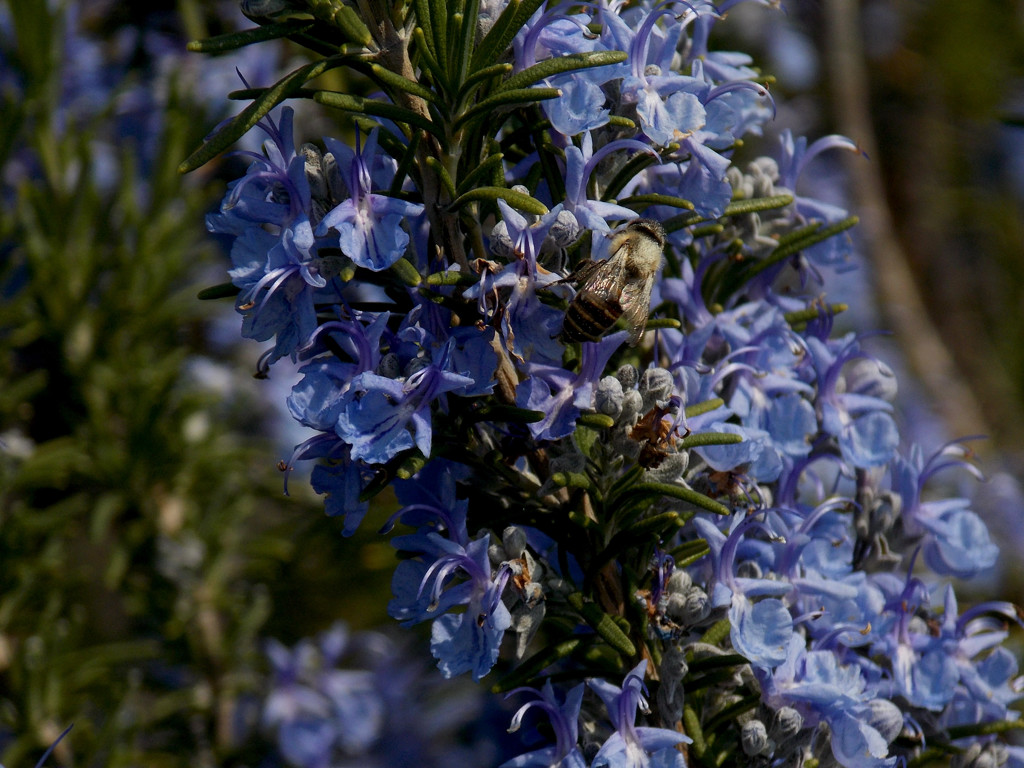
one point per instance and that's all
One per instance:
(560, 64)
(517, 200)
(235, 40)
(362, 106)
(252, 114)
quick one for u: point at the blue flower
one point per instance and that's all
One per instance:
(795, 155)
(582, 106)
(956, 540)
(564, 717)
(294, 708)
(462, 642)
(343, 482)
(824, 689)
(580, 163)
(368, 224)
(701, 180)
(378, 412)
(277, 270)
(753, 455)
(561, 395)
(528, 326)
(760, 631)
(722, 66)
(958, 543)
(470, 641)
(862, 423)
(449, 571)
(632, 746)
(667, 108)
(429, 502)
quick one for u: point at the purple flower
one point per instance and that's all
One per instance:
(528, 326)
(343, 482)
(582, 107)
(429, 502)
(666, 105)
(795, 155)
(449, 571)
(579, 165)
(820, 687)
(753, 455)
(461, 642)
(956, 540)
(470, 641)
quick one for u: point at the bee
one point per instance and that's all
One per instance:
(619, 286)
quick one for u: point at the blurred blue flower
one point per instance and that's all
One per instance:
(564, 717)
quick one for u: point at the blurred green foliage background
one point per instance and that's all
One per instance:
(145, 543)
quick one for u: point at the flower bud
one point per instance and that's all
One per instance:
(513, 539)
(669, 469)
(565, 229)
(764, 172)
(740, 183)
(337, 189)
(656, 386)
(496, 555)
(754, 738)
(788, 723)
(314, 171)
(631, 405)
(415, 365)
(968, 758)
(679, 581)
(697, 606)
(608, 398)
(991, 755)
(627, 376)
(501, 242)
(389, 366)
(318, 193)
(867, 376)
(671, 695)
(885, 509)
(749, 569)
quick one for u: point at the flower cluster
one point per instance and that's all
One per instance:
(357, 698)
(723, 515)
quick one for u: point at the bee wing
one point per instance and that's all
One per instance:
(606, 278)
(636, 304)
(581, 273)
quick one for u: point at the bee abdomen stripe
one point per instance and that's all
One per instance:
(587, 320)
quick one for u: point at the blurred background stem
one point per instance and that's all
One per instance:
(940, 226)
